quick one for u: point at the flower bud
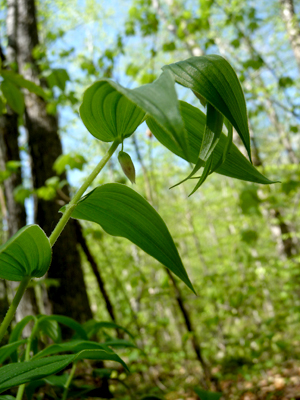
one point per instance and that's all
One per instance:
(127, 165)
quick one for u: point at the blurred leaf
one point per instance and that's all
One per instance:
(73, 161)
(24, 83)
(205, 395)
(58, 77)
(14, 96)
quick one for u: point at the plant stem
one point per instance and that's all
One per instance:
(27, 357)
(56, 232)
(70, 207)
(71, 375)
(12, 309)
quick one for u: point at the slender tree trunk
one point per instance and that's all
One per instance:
(70, 298)
(292, 26)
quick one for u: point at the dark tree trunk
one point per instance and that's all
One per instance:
(70, 298)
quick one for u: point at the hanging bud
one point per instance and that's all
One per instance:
(127, 165)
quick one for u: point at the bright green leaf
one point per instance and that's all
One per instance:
(14, 96)
(58, 77)
(213, 78)
(27, 253)
(123, 212)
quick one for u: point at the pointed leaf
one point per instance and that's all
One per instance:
(204, 175)
(14, 96)
(27, 253)
(123, 212)
(235, 166)
(213, 78)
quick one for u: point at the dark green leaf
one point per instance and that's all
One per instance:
(123, 212)
(8, 349)
(18, 373)
(51, 329)
(213, 78)
(68, 322)
(212, 132)
(205, 395)
(27, 253)
(93, 327)
(14, 96)
(235, 166)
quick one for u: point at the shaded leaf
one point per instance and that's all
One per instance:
(235, 165)
(8, 349)
(123, 212)
(71, 323)
(27, 253)
(205, 395)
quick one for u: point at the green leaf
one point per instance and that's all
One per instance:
(18, 373)
(7, 397)
(157, 99)
(71, 160)
(205, 395)
(14, 96)
(107, 113)
(24, 83)
(212, 132)
(27, 253)
(71, 323)
(8, 349)
(123, 212)
(235, 165)
(213, 78)
(51, 329)
(92, 327)
(58, 77)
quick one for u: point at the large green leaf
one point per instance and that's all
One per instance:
(235, 165)
(123, 212)
(18, 373)
(27, 253)
(213, 78)
(205, 395)
(14, 96)
(110, 110)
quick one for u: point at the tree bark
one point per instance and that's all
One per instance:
(292, 27)
(70, 298)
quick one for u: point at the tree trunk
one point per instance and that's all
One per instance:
(70, 298)
(292, 27)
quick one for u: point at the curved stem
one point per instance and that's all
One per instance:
(66, 386)
(12, 309)
(70, 207)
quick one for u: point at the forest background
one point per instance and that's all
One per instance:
(239, 241)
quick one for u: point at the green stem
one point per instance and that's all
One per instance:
(66, 386)
(27, 356)
(13, 307)
(70, 207)
(56, 232)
